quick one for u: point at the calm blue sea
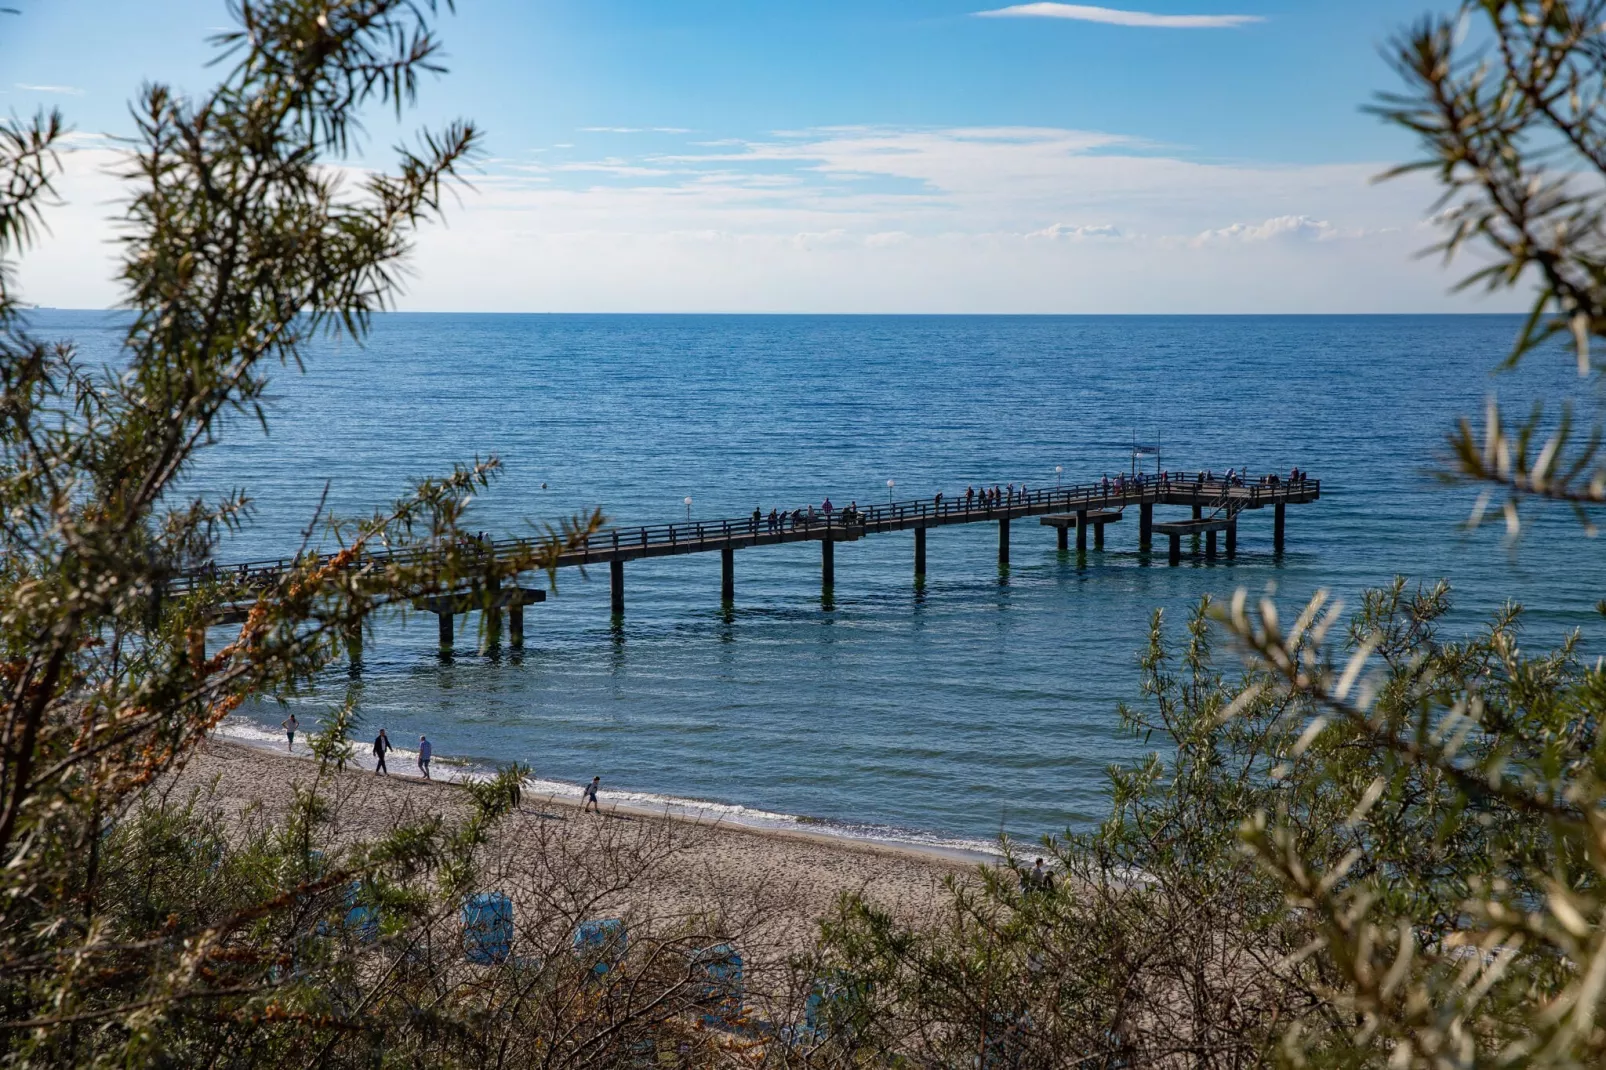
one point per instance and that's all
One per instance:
(988, 702)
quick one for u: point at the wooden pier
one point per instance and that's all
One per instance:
(1214, 505)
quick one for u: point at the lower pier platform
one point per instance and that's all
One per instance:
(1208, 528)
(1080, 522)
(491, 603)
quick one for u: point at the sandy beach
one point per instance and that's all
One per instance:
(765, 887)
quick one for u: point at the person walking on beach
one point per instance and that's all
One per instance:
(424, 752)
(290, 724)
(589, 797)
(381, 747)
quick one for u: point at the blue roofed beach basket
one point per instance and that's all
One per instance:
(602, 942)
(834, 1006)
(488, 928)
(362, 921)
(719, 988)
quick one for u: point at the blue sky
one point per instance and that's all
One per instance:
(821, 155)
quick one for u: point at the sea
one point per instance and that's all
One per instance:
(981, 704)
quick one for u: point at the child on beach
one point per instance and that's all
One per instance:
(290, 724)
(381, 746)
(1037, 879)
(424, 751)
(590, 797)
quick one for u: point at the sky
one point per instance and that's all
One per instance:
(855, 156)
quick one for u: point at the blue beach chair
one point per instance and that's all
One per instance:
(488, 928)
(602, 941)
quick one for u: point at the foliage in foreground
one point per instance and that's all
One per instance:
(142, 933)
(1163, 938)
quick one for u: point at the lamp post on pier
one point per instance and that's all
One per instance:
(1059, 471)
(688, 508)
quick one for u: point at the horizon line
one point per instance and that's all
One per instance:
(845, 315)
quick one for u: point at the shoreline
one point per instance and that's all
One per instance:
(633, 803)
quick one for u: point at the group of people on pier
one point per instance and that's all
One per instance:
(991, 498)
(805, 517)
(1009, 494)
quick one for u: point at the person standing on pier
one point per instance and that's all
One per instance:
(424, 753)
(826, 508)
(381, 748)
(589, 797)
(290, 724)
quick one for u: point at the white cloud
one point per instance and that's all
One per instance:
(1115, 17)
(1068, 232)
(1280, 228)
(66, 90)
(874, 219)
(634, 130)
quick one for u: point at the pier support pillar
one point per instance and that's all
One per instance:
(616, 586)
(1098, 536)
(827, 565)
(920, 553)
(493, 619)
(1062, 539)
(1277, 527)
(727, 574)
(1210, 546)
(1145, 526)
(1198, 511)
(1003, 541)
(1176, 548)
(353, 639)
(1081, 530)
(1232, 540)
(444, 620)
(515, 624)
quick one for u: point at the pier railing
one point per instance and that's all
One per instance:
(846, 523)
